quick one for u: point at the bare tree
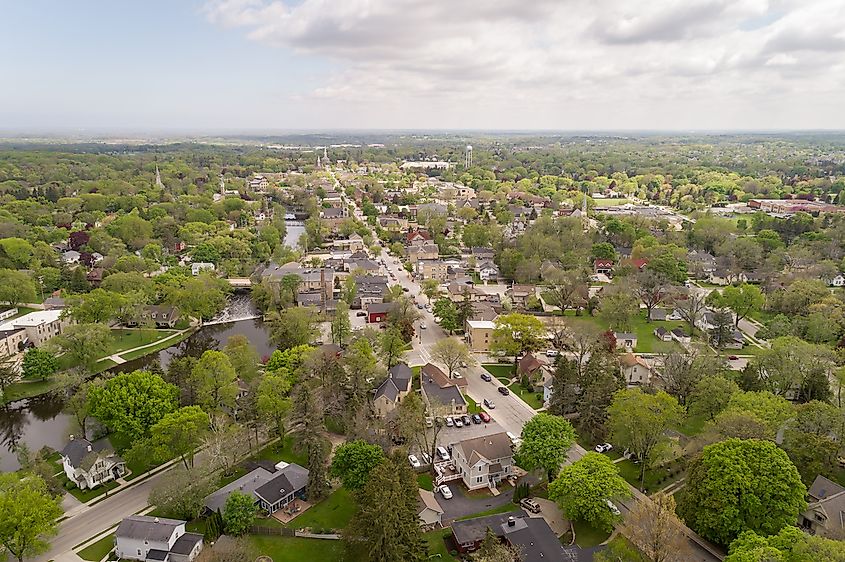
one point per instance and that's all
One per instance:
(652, 288)
(452, 353)
(691, 307)
(223, 443)
(654, 528)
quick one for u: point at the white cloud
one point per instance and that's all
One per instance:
(561, 64)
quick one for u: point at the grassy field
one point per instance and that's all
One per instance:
(652, 481)
(501, 509)
(334, 512)
(155, 348)
(290, 549)
(647, 342)
(437, 546)
(499, 370)
(472, 405)
(586, 535)
(89, 494)
(98, 550)
(127, 339)
(692, 425)
(533, 399)
(425, 482)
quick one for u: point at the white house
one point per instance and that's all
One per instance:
(154, 539)
(200, 266)
(71, 257)
(625, 340)
(89, 464)
(548, 389)
(635, 369)
(838, 281)
(430, 512)
(488, 271)
(483, 461)
(40, 325)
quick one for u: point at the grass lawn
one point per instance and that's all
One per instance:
(436, 544)
(499, 371)
(291, 549)
(334, 512)
(533, 399)
(425, 482)
(586, 535)
(127, 339)
(652, 481)
(472, 405)
(89, 494)
(154, 348)
(692, 425)
(98, 550)
(647, 342)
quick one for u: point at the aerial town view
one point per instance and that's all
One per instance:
(393, 280)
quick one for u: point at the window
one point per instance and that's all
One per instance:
(479, 480)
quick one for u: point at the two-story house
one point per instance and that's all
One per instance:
(154, 539)
(89, 464)
(426, 251)
(483, 461)
(432, 269)
(519, 295)
(635, 370)
(395, 387)
(825, 513)
(442, 394)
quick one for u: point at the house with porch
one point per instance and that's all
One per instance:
(288, 483)
(155, 539)
(88, 464)
(483, 462)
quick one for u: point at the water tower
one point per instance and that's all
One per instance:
(468, 160)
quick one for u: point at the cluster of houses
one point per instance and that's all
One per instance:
(17, 334)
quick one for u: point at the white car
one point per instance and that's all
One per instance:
(603, 447)
(445, 492)
(489, 404)
(612, 507)
(551, 353)
(443, 453)
(449, 422)
(457, 375)
(415, 462)
(423, 326)
(458, 422)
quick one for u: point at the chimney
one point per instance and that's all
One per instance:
(511, 521)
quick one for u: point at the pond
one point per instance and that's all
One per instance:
(40, 421)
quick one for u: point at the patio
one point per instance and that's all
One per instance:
(291, 511)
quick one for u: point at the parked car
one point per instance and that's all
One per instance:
(504, 391)
(443, 453)
(406, 289)
(485, 417)
(530, 505)
(551, 353)
(449, 422)
(733, 357)
(419, 306)
(467, 420)
(489, 404)
(612, 507)
(445, 492)
(476, 419)
(414, 461)
(457, 375)
(486, 377)
(603, 447)
(360, 313)
(458, 421)
(423, 326)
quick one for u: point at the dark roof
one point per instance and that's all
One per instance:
(379, 307)
(246, 484)
(289, 479)
(186, 543)
(401, 371)
(78, 449)
(147, 528)
(472, 530)
(156, 554)
(442, 394)
(534, 539)
(823, 488)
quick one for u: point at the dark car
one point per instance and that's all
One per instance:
(360, 313)
(486, 377)
(504, 391)
(476, 418)
(467, 420)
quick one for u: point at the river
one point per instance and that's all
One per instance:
(40, 421)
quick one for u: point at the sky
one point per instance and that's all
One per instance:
(276, 65)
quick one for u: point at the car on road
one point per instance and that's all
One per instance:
(733, 358)
(419, 306)
(415, 462)
(486, 377)
(457, 375)
(423, 326)
(360, 313)
(551, 353)
(476, 419)
(449, 422)
(485, 417)
(442, 453)
(467, 420)
(406, 289)
(504, 391)
(603, 447)
(445, 492)
(458, 421)
(530, 505)
(612, 507)
(489, 404)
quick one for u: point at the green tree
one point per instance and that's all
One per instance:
(239, 513)
(243, 357)
(385, 527)
(655, 529)
(341, 325)
(721, 334)
(274, 398)
(583, 488)
(39, 364)
(447, 313)
(790, 544)
(181, 493)
(131, 403)
(178, 433)
(430, 288)
(85, 344)
(770, 409)
(28, 515)
(638, 422)
(712, 395)
(618, 310)
(813, 438)
(216, 381)
(545, 441)
(729, 484)
(353, 461)
(293, 326)
(492, 549)
(391, 346)
(516, 334)
(16, 287)
(97, 307)
(290, 359)
(743, 300)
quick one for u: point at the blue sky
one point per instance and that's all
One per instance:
(269, 65)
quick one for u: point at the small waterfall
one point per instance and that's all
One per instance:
(240, 307)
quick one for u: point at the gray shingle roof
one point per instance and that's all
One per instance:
(144, 527)
(77, 449)
(246, 484)
(290, 479)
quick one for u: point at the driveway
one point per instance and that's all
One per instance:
(462, 505)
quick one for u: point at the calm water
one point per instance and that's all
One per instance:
(39, 421)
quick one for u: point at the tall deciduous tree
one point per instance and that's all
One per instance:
(243, 356)
(353, 461)
(131, 403)
(452, 353)
(215, 380)
(516, 334)
(28, 515)
(638, 421)
(178, 434)
(712, 395)
(583, 488)
(16, 287)
(293, 327)
(743, 300)
(742, 485)
(341, 325)
(239, 513)
(391, 346)
(652, 288)
(39, 364)
(545, 441)
(84, 343)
